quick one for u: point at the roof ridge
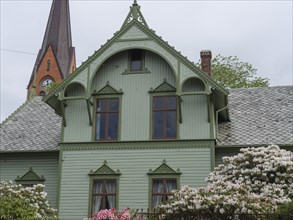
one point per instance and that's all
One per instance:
(264, 87)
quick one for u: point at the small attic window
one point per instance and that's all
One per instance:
(136, 60)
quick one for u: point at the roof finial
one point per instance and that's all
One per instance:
(134, 14)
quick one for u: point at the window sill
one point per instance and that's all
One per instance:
(130, 72)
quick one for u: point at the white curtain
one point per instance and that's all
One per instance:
(157, 188)
(111, 188)
(170, 184)
(97, 200)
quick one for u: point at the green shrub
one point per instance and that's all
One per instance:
(19, 203)
(286, 209)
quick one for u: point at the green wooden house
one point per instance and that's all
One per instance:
(136, 120)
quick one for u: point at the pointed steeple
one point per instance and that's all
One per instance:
(135, 14)
(57, 40)
(58, 35)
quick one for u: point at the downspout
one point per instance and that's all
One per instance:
(217, 116)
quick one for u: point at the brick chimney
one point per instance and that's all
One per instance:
(206, 64)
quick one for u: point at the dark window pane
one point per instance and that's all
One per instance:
(171, 125)
(158, 124)
(170, 102)
(136, 65)
(136, 60)
(113, 104)
(158, 102)
(112, 126)
(107, 119)
(102, 105)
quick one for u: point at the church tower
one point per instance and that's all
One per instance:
(56, 58)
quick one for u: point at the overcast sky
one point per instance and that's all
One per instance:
(258, 32)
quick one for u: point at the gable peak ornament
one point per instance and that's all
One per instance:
(134, 14)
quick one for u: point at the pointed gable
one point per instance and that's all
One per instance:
(134, 34)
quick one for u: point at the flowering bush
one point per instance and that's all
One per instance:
(18, 202)
(256, 180)
(112, 214)
(267, 171)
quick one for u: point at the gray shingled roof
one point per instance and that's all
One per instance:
(259, 116)
(33, 127)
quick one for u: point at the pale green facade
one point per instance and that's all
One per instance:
(107, 74)
(16, 165)
(134, 160)
(135, 123)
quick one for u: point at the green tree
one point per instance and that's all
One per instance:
(230, 72)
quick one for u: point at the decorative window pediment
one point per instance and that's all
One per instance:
(104, 188)
(104, 170)
(164, 168)
(107, 90)
(164, 87)
(30, 178)
(162, 181)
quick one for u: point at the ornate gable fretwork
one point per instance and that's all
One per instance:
(164, 168)
(134, 14)
(104, 170)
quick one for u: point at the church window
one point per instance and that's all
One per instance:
(164, 118)
(136, 60)
(107, 119)
(48, 65)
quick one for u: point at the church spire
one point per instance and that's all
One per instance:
(56, 47)
(135, 14)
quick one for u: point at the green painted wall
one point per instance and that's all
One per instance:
(134, 161)
(17, 164)
(135, 119)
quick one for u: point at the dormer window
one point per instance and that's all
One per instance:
(136, 60)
